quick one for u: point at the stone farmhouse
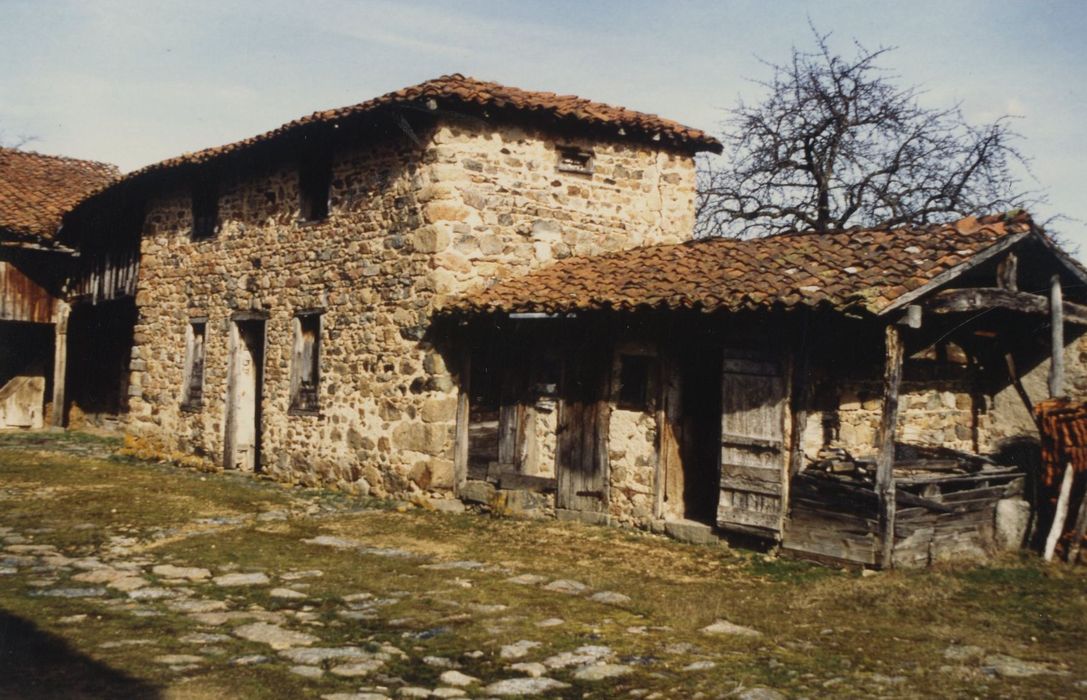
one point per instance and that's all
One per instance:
(463, 292)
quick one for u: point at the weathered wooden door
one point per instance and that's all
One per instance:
(244, 390)
(752, 446)
(582, 460)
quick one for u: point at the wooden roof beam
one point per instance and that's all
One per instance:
(977, 299)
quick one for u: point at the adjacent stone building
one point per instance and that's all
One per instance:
(286, 283)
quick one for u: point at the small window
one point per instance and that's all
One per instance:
(575, 160)
(314, 180)
(192, 393)
(306, 362)
(205, 209)
(634, 381)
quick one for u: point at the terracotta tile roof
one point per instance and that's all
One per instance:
(857, 270)
(36, 190)
(452, 93)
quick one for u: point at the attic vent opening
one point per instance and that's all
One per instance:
(575, 160)
(205, 209)
(314, 182)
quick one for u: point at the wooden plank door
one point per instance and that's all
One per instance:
(582, 460)
(753, 453)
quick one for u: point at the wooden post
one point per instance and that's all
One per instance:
(1060, 514)
(1056, 315)
(60, 362)
(460, 443)
(1007, 273)
(885, 458)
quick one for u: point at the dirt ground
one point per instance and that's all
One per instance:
(127, 579)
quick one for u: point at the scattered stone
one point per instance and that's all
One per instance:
(298, 575)
(274, 636)
(601, 672)
(413, 692)
(357, 597)
(760, 694)
(551, 622)
(307, 671)
(525, 686)
(358, 668)
(610, 598)
(8, 570)
(331, 541)
(196, 606)
(191, 573)
(447, 693)
(287, 594)
(128, 584)
(531, 669)
(964, 653)
(485, 609)
(581, 656)
(154, 593)
(72, 619)
(119, 643)
(456, 678)
(699, 666)
(1011, 667)
(253, 579)
(726, 627)
(318, 655)
(175, 659)
(204, 638)
(517, 650)
(72, 593)
(249, 660)
(355, 696)
(438, 662)
(447, 505)
(567, 586)
(527, 579)
(101, 575)
(455, 566)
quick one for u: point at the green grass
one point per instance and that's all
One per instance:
(826, 632)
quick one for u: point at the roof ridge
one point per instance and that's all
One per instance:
(67, 159)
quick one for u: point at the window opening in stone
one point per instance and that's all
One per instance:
(314, 181)
(192, 394)
(205, 209)
(575, 160)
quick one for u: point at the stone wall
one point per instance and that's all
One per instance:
(942, 413)
(409, 226)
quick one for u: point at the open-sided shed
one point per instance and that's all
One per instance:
(860, 396)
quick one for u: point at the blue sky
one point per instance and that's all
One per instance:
(133, 82)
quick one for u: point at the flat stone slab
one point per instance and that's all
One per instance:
(517, 650)
(199, 605)
(1011, 667)
(761, 694)
(145, 593)
(189, 573)
(726, 627)
(253, 579)
(355, 696)
(71, 592)
(527, 579)
(274, 636)
(699, 666)
(531, 669)
(298, 575)
(457, 679)
(610, 598)
(177, 659)
(357, 668)
(601, 672)
(583, 655)
(287, 594)
(568, 586)
(307, 671)
(466, 565)
(204, 638)
(551, 622)
(525, 686)
(317, 655)
(447, 693)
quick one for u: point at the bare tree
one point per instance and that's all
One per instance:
(15, 141)
(836, 144)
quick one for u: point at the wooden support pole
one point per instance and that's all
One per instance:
(1056, 316)
(60, 362)
(1060, 515)
(1007, 273)
(885, 458)
(460, 443)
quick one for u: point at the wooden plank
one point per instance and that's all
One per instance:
(1007, 273)
(1079, 531)
(460, 446)
(750, 367)
(734, 440)
(1056, 324)
(60, 364)
(885, 484)
(668, 472)
(524, 482)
